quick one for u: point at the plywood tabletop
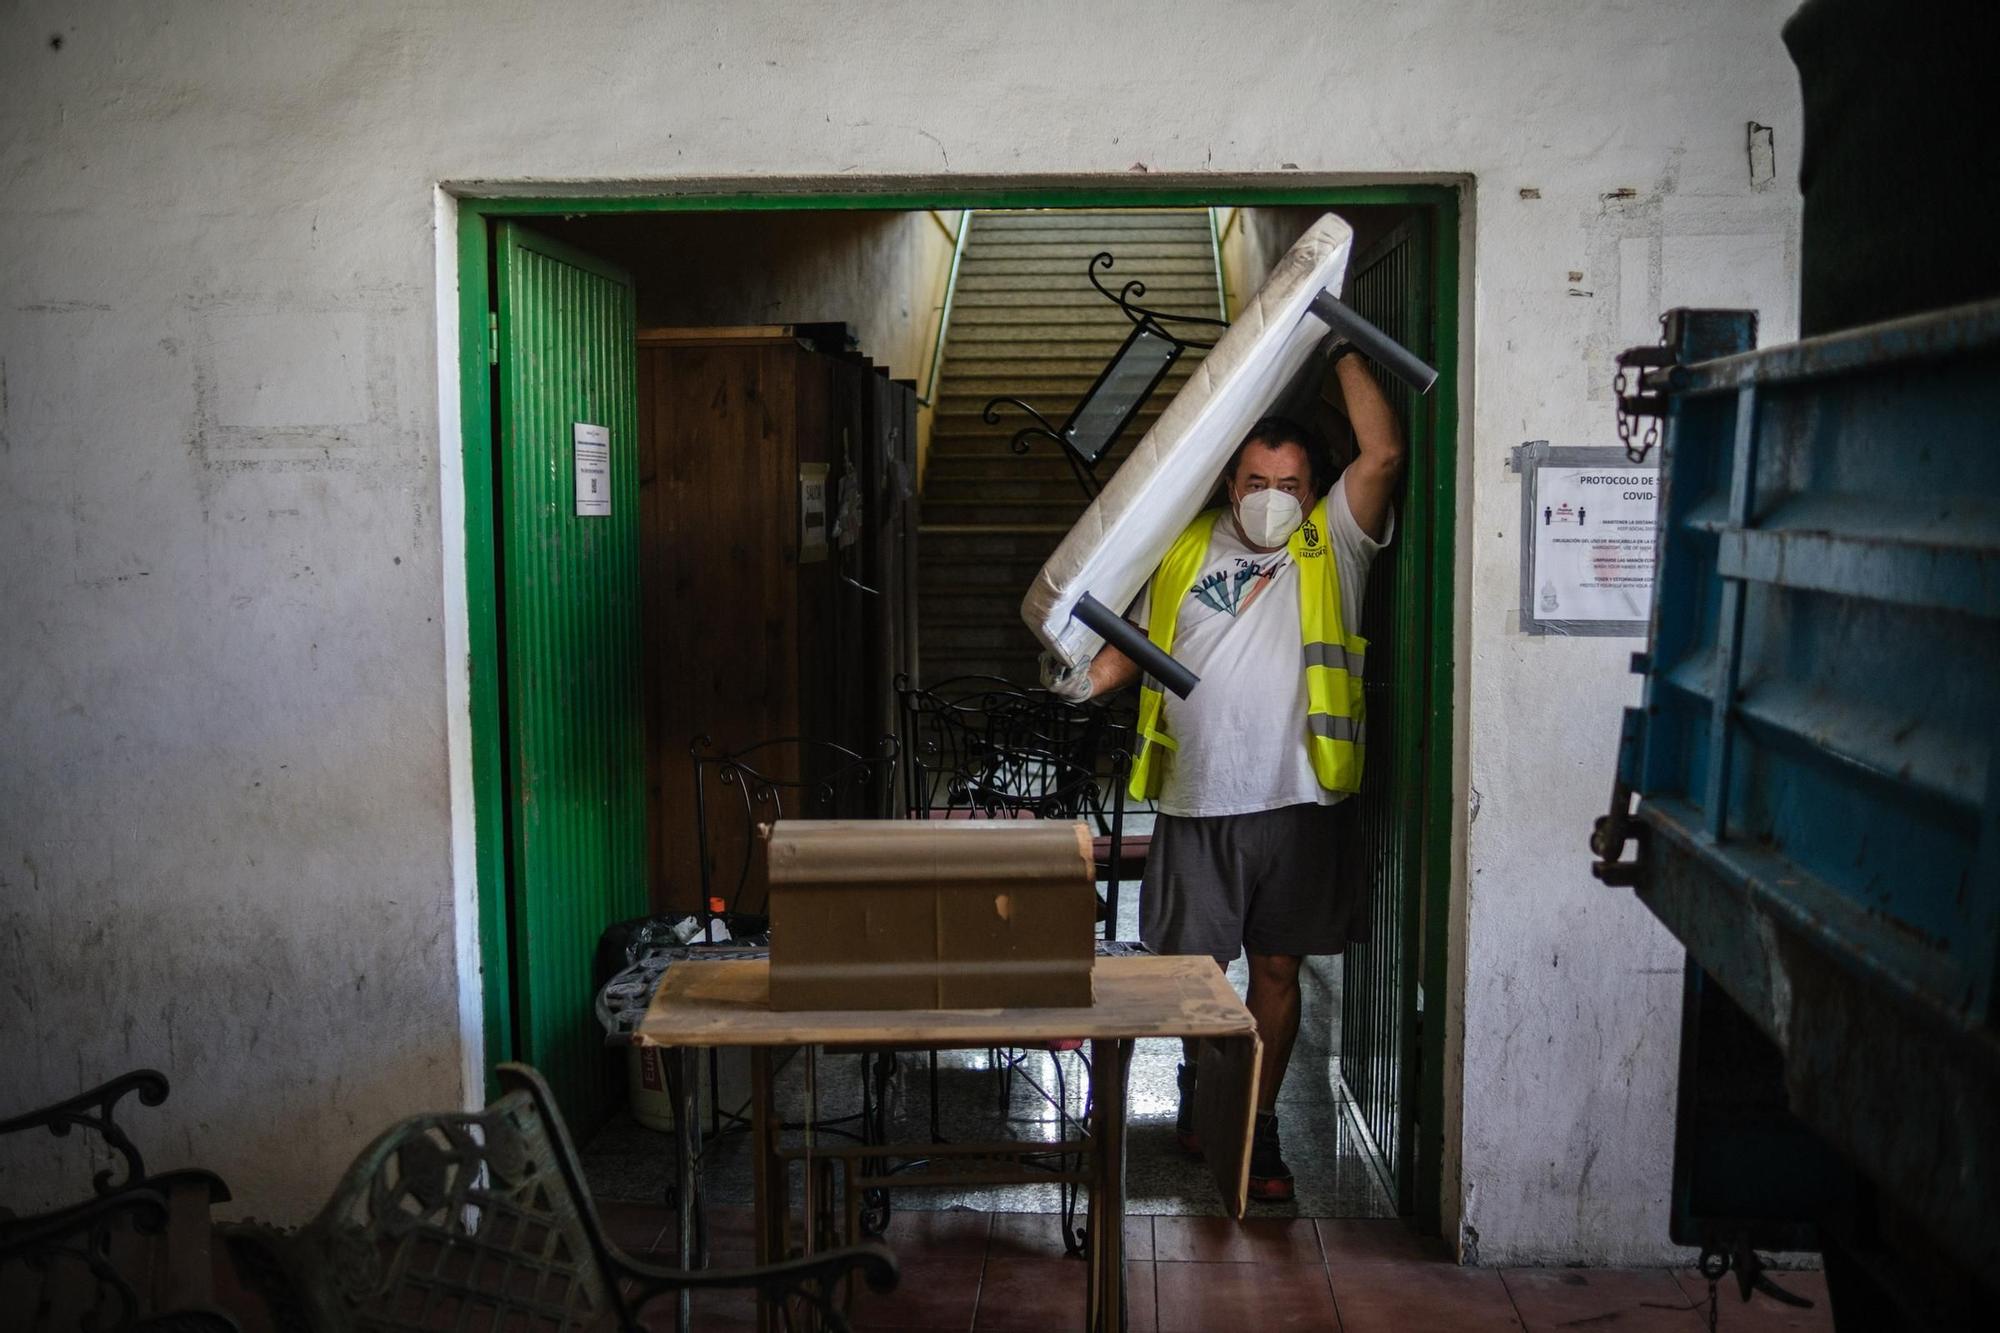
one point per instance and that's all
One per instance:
(727, 1003)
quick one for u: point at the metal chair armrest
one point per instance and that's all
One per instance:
(97, 1109)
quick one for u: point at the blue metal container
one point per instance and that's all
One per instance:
(1817, 808)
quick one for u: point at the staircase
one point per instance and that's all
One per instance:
(1026, 323)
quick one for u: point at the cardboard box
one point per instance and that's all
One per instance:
(930, 914)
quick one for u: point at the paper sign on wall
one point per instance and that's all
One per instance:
(593, 470)
(1587, 557)
(812, 512)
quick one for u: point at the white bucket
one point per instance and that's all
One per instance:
(652, 1105)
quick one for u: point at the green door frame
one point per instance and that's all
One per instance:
(476, 406)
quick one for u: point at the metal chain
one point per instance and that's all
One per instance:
(1649, 436)
(1713, 1310)
(1647, 442)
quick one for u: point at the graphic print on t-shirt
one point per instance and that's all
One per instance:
(1234, 585)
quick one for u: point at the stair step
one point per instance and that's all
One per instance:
(1054, 395)
(995, 489)
(965, 485)
(1006, 324)
(1055, 351)
(1173, 294)
(1055, 515)
(966, 423)
(999, 448)
(997, 550)
(956, 564)
(992, 456)
(977, 469)
(1072, 263)
(1023, 508)
(1067, 267)
(1089, 241)
(1041, 223)
(999, 444)
(1023, 363)
(1073, 258)
(1051, 393)
(1009, 572)
(1066, 360)
(1027, 324)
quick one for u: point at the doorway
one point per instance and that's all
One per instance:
(1392, 1064)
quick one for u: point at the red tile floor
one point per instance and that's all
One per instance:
(967, 1270)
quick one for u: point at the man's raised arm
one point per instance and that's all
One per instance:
(1371, 477)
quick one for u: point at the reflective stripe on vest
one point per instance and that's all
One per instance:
(1331, 658)
(1333, 728)
(1334, 655)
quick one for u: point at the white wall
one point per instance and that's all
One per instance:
(226, 838)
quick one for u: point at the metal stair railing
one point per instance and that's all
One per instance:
(929, 396)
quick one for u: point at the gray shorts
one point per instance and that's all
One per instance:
(1264, 881)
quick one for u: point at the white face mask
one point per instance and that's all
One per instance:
(1268, 517)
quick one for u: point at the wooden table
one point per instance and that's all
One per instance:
(727, 1003)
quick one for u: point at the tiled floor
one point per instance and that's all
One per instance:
(966, 1270)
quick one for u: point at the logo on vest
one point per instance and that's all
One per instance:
(1310, 532)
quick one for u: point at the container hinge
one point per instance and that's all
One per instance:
(492, 337)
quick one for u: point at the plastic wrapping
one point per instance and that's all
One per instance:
(1115, 546)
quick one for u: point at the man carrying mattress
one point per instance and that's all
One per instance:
(1263, 602)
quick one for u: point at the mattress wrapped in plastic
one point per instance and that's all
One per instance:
(1121, 538)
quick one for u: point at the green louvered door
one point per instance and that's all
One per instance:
(1378, 1016)
(569, 633)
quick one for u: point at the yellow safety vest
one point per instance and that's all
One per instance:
(1332, 659)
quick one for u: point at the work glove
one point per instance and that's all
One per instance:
(1065, 682)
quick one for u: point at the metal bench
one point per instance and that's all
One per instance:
(132, 1254)
(481, 1220)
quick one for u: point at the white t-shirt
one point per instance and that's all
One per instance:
(1242, 732)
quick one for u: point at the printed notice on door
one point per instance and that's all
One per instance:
(1590, 552)
(593, 471)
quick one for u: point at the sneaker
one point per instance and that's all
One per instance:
(1270, 1178)
(1184, 1132)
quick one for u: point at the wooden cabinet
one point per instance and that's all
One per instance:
(746, 637)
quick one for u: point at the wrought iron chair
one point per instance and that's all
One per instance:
(791, 777)
(482, 1221)
(1120, 390)
(135, 1256)
(983, 747)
